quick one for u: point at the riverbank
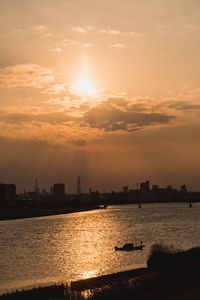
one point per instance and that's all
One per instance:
(30, 212)
(170, 275)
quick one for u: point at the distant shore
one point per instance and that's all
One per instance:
(33, 212)
(21, 213)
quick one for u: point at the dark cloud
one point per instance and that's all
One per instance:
(112, 118)
(115, 115)
(51, 117)
(183, 105)
(77, 142)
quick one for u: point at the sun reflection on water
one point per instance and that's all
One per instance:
(89, 274)
(80, 246)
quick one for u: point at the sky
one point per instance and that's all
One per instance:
(105, 90)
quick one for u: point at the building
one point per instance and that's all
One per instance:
(125, 189)
(37, 190)
(183, 188)
(144, 186)
(7, 193)
(59, 192)
(155, 187)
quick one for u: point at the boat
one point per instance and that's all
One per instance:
(129, 247)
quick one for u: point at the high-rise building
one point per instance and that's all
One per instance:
(59, 192)
(144, 186)
(154, 187)
(78, 185)
(37, 190)
(125, 189)
(7, 193)
(183, 188)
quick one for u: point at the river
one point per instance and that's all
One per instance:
(53, 249)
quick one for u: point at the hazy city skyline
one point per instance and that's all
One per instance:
(79, 187)
(107, 90)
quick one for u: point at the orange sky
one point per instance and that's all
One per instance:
(108, 90)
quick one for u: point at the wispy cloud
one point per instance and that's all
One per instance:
(68, 42)
(88, 45)
(183, 106)
(117, 45)
(25, 75)
(56, 50)
(109, 31)
(56, 89)
(119, 33)
(81, 29)
(38, 29)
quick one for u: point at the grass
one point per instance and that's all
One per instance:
(171, 274)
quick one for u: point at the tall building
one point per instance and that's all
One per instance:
(37, 190)
(183, 188)
(59, 192)
(125, 189)
(7, 193)
(155, 187)
(78, 185)
(144, 186)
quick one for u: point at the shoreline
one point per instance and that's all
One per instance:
(99, 281)
(174, 274)
(30, 212)
(24, 213)
(81, 284)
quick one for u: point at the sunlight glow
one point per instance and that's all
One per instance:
(84, 86)
(89, 274)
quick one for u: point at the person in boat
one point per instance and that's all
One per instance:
(141, 243)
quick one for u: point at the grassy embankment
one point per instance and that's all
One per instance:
(170, 275)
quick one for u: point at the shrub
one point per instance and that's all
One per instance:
(159, 255)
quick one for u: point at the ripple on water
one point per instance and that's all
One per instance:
(50, 249)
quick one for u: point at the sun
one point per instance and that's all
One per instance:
(84, 86)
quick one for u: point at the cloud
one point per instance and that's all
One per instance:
(88, 45)
(38, 29)
(69, 42)
(35, 30)
(121, 117)
(57, 50)
(56, 89)
(40, 117)
(120, 33)
(81, 29)
(77, 142)
(25, 75)
(109, 31)
(117, 45)
(183, 106)
(77, 125)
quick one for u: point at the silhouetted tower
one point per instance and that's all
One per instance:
(78, 185)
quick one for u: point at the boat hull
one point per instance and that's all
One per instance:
(129, 249)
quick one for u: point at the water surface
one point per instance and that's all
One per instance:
(57, 248)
